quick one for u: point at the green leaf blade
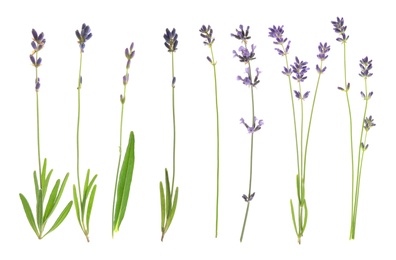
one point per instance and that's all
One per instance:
(61, 217)
(29, 213)
(90, 204)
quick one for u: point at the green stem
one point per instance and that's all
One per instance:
(78, 129)
(302, 186)
(217, 143)
(174, 126)
(360, 161)
(251, 158)
(38, 125)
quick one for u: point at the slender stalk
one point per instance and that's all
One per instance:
(217, 142)
(78, 128)
(251, 160)
(38, 123)
(174, 126)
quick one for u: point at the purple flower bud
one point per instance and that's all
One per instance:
(37, 86)
(35, 35)
(128, 64)
(209, 59)
(125, 79)
(173, 81)
(32, 59)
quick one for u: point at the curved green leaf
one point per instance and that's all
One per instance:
(293, 216)
(76, 204)
(61, 217)
(162, 199)
(168, 199)
(29, 213)
(61, 190)
(51, 202)
(39, 211)
(173, 210)
(125, 180)
(90, 204)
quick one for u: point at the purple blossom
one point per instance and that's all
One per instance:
(83, 35)
(248, 199)
(207, 34)
(256, 125)
(368, 123)
(347, 88)
(365, 65)
(171, 40)
(299, 69)
(340, 28)
(277, 34)
(244, 54)
(248, 79)
(37, 85)
(299, 96)
(242, 34)
(38, 41)
(370, 94)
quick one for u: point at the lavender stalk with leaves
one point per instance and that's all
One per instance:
(297, 71)
(245, 56)
(207, 34)
(169, 196)
(41, 182)
(367, 122)
(123, 178)
(83, 198)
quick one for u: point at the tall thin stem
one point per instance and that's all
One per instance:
(78, 128)
(174, 126)
(217, 142)
(38, 123)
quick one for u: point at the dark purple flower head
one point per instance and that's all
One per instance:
(207, 34)
(323, 50)
(368, 123)
(248, 199)
(129, 54)
(256, 126)
(299, 69)
(340, 28)
(171, 40)
(83, 36)
(287, 71)
(38, 41)
(277, 34)
(242, 34)
(366, 65)
(244, 54)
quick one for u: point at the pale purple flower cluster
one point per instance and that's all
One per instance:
(242, 34)
(340, 28)
(255, 127)
(277, 33)
(37, 44)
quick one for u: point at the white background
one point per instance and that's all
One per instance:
(269, 232)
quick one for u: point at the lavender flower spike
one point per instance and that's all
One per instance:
(242, 34)
(340, 28)
(299, 69)
(171, 40)
(83, 36)
(366, 65)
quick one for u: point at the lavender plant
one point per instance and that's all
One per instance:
(246, 56)
(297, 71)
(169, 196)
(207, 34)
(123, 179)
(83, 202)
(43, 211)
(367, 122)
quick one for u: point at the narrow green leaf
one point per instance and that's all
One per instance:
(61, 217)
(76, 204)
(61, 190)
(305, 216)
(168, 199)
(85, 190)
(90, 204)
(51, 202)
(43, 174)
(293, 216)
(36, 184)
(298, 188)
(125, 180)
(162, 199)
(39, 210)
(29, 213)
(173, 210)
(45, 184)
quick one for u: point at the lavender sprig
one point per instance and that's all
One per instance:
(168, 197)
(124, 178)
(83, 202)
(297, 71)
(367, 122)
(245, 56)
(207, 34)
(43, 211)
